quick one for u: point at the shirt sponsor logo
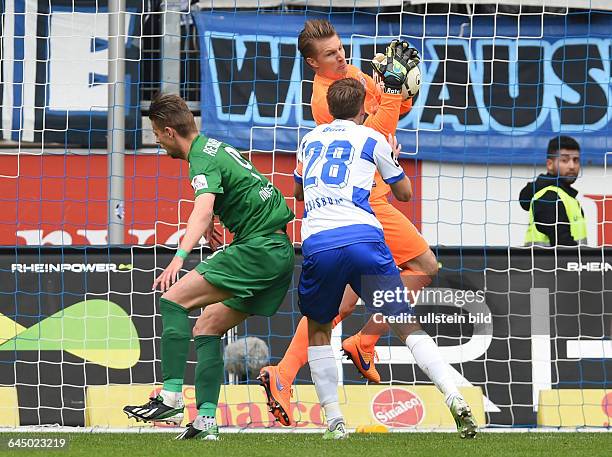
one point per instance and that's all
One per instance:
(199, 182)
(333, 129)
(211, 147)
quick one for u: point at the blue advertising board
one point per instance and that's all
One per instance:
(495, 88)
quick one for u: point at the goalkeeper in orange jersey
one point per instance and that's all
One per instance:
(323, 51)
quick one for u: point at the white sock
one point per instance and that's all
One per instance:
(172, 399)
(325, 377)
(428, 358)
(204, 422)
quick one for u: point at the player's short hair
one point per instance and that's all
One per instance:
(170, 110)
(345, 98)
(561, 142)
(314, 30)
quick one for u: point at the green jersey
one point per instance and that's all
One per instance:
(247, 203)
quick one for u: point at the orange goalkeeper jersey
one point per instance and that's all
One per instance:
(383, 113)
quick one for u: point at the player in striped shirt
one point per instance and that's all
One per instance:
(343, 244)
(323, 51)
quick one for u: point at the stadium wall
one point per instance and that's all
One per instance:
(62, 199)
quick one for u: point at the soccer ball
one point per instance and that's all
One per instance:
(412, 84)
(413, 81)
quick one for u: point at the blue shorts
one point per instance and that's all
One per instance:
(367, 267)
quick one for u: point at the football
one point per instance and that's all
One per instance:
(412, 84)
(413, 81)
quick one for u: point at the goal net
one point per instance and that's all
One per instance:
(527, 331)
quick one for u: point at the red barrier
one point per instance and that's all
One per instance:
(62, 199)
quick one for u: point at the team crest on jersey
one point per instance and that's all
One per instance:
(199, 182)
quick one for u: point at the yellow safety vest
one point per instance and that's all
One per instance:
(577, 221)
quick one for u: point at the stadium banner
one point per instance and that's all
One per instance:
(416, 407)
(561, 4)
(9, 408)
(55, 72)
(594, 4)
(575, 408)
(49, 202)
(63, 208)
(512, 322)
(495, 90)
(475, 205)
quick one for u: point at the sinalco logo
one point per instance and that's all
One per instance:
(395, 407)
(98, 331)
(606, 406)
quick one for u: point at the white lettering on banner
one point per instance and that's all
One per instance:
(78, 63)
(402, 407)
(62, 267)
(94, 237)
(175, 238)
(36, 238)
(589, 266)
(141, 235)
(531, 72)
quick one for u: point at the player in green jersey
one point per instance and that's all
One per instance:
(250, 276)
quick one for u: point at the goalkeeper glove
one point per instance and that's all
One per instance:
(393, 67)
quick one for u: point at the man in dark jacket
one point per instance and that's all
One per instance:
(555, 216)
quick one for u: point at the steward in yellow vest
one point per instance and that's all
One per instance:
(555, 215)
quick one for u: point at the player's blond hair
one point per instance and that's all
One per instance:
(345, 98)
(314, 30)
(170, 110)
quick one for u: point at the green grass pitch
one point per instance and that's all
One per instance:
(311, 445)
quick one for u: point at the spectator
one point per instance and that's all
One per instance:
(555, 216)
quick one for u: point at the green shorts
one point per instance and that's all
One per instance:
(258, 271)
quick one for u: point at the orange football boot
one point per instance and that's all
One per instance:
(279, 393)
(363, 360)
